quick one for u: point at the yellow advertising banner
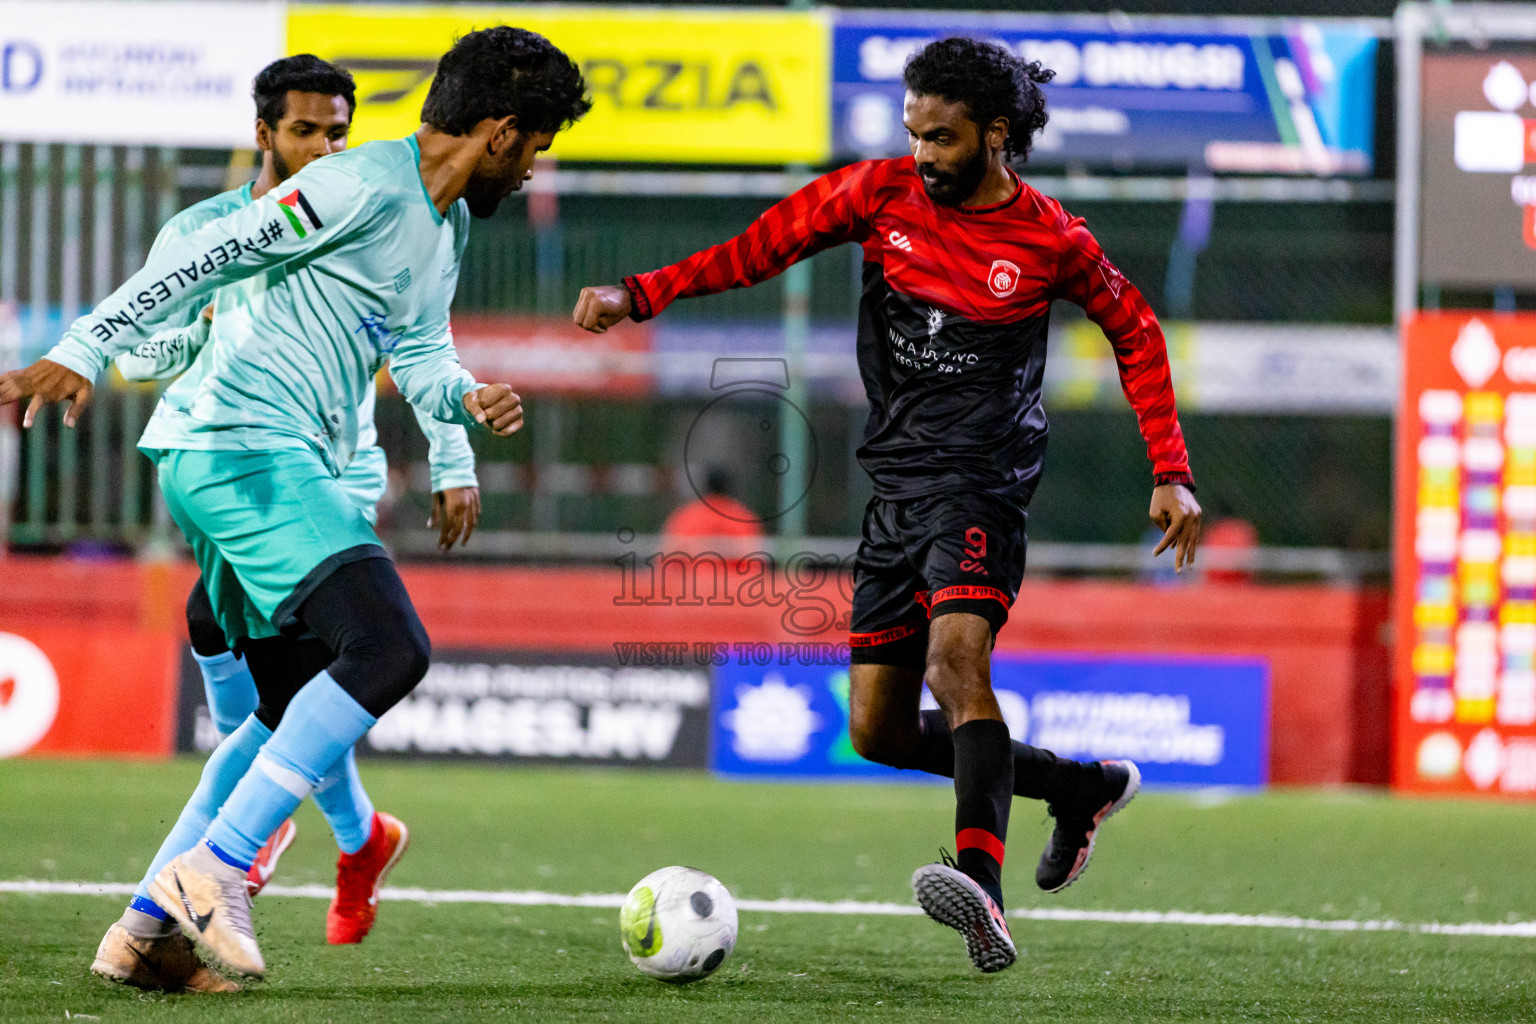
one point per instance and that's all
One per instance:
(709, 86)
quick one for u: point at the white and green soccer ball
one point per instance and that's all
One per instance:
(678, 924)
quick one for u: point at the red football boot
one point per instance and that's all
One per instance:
(266, 857)
(360, 876)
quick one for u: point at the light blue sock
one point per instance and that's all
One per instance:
(320, 724)
(230, 690)
(221, 773)
(345, 804)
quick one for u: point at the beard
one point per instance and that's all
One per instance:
(484, 194)
(953, 188)
(280, 168)
(482, 197)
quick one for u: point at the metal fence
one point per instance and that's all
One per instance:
(74, 221)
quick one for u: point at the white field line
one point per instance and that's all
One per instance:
(1507, 930)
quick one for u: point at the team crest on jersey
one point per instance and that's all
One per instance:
(935, 321)
(1003, 278)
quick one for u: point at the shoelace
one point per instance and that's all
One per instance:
(236, 897)
(947, 860)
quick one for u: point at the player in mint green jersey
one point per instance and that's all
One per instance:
(304, 111)
(350, 263)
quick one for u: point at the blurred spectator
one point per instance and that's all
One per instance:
(714, 521)
(1230, 536)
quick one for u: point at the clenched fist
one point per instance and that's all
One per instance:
(496, 406)
(600, 308)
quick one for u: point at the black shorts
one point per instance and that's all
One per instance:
(961, 552)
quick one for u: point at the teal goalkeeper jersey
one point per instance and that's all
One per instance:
(175, 351)
(345, 265)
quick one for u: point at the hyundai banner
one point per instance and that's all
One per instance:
(174, 73)
(1185, 721)
(1275, 98)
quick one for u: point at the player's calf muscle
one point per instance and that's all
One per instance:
(882, 712)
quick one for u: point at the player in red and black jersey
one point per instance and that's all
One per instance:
(961, 263)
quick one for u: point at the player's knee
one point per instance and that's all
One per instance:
(415, 655)
(955, 669)
(386, 664)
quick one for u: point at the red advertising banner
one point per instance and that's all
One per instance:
(87, 691)
(552, 354)
(1465, 559)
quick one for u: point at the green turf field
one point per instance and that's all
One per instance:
(1351, 855)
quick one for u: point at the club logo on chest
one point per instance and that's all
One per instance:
(935, 322)
(1003, 278)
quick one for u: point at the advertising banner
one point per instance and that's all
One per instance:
(1479, 167)
(667, 85)
(1239, 367)
(1138, 95)
(1184, 721)
(552, 355)
(87, 691)
(171, 73)
(1465, 560)
(523, 706)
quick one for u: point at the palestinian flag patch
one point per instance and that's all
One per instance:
(301, 216)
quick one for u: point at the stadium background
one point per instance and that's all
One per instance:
(1343, 279)
(1269, 254)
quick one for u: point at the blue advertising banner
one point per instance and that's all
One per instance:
(1184, 721)
(1139, 94)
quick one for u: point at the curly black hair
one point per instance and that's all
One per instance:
(303, 72)
(500, 71)
(990, 80)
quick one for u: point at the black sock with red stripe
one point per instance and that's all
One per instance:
(1037, 773)
(983, 796)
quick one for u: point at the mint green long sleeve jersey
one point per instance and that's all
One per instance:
(173, 352)
(345, 266)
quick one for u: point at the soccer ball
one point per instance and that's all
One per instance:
(678, 924)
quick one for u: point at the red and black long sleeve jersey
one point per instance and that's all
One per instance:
(952, 323)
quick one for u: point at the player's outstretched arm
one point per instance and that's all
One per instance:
(828, 211)
(287, 225)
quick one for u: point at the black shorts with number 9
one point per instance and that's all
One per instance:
(922, 557)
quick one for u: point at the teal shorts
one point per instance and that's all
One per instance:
(265, 527)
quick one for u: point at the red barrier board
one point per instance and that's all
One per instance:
(1465, 557)
(112, 631)
(83, 691)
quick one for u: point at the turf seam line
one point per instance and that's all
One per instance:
(533, 898)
